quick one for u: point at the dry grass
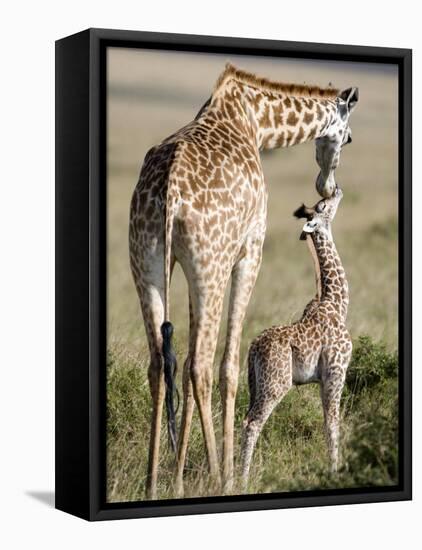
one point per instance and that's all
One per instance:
(151, 95)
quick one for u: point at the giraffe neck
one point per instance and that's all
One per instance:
(314, 255)
(276, 118)
(334, 286)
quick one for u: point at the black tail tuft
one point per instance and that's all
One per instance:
(170, 367)
(251, 380)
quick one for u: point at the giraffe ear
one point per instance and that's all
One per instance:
(351, 97)
(304, 212)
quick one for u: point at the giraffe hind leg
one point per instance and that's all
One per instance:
(206, 305)
(252, 427)
(187, 412)
(185, 427)
(201, 371)
(148, 273)
(268, 384)
(153, 313)
(244, 274)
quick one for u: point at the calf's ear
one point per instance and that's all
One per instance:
(304, 212)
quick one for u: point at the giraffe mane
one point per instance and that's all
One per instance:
(299, 90)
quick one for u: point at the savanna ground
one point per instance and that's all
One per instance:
(152, 94)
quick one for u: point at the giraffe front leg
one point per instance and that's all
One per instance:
(244, 275)
(331, 389)
(332, 431)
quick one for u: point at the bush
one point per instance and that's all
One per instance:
(371, 364)
(372, 447)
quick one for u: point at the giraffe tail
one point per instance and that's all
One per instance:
(251, 378)
(170, 367)
(169, 356)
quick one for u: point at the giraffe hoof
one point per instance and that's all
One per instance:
(179, 491)
(228, 487)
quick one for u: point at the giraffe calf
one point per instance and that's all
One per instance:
(316, 349)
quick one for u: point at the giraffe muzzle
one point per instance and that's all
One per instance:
(325, 184)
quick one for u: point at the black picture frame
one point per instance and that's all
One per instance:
(81, 268)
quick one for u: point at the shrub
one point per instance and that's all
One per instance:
(372, 448)
(371, 364)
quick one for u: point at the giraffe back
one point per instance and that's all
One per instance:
(210, 174)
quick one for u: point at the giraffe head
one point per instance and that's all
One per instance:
(320, 216)
(333, 139)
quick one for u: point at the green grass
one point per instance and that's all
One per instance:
(291, 452)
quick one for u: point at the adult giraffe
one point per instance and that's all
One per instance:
(201, 200)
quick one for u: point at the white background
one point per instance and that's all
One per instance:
(28, 31)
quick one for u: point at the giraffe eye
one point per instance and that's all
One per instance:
(321, 206)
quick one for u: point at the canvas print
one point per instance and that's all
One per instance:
(252, 275)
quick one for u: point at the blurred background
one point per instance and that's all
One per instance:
(151, 94)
